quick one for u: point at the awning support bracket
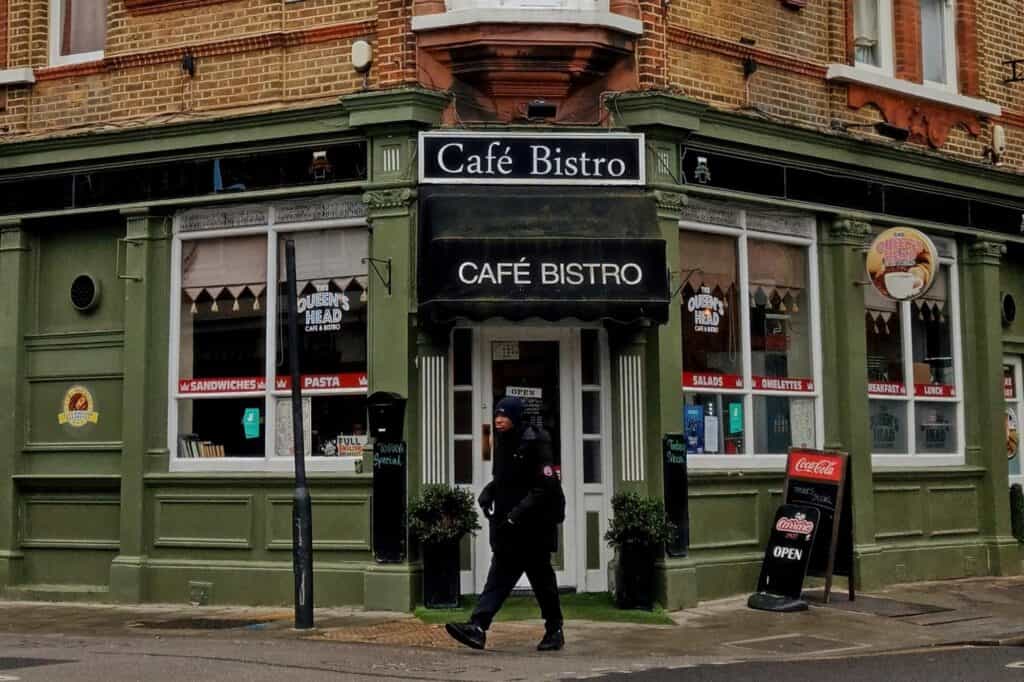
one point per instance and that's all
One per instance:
(683, 281)
(386, 281)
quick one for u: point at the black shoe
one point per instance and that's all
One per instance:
(470, 634)
(553, 640)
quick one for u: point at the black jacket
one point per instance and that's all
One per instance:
(526, 492)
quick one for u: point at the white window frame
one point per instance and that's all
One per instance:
(270, 461)
(911, 458)
(949, 47)
(751, 459)
(56, 27)
(886, 40)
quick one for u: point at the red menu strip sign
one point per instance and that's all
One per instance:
(886, 388)
(222, 385)
(934, 391)
(711, 380)
(783, 384)
(324, 381)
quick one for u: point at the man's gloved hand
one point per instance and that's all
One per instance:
(486, 502)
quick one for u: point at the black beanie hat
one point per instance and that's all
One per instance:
(511, 408)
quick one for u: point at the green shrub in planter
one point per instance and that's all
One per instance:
(439, 519)
(638, 530)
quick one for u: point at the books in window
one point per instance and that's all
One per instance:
(190, 447)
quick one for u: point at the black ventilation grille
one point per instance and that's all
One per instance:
(85, 293)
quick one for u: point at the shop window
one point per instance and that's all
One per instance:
(78, 30)
(749, 338)
(233, 393)
(912, 371)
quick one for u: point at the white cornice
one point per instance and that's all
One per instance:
(17, 77)
(491, 15)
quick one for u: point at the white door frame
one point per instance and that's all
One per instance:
(568, 447)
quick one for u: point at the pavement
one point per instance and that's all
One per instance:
(976, 612)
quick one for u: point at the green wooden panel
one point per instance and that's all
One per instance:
(67, 566)
(70, 521)
(66, 253)
(899, 512)
(1011, 281)
(340, 522)
(593, 541)
(61, 460)
(953, 509)
(204, 521)
(254, 583)
(76, 360)
(721, 519)
(466, 553)
(46, 403)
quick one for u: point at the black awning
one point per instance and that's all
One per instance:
(549, 253)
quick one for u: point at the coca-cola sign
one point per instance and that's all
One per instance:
(797, 525)
(814, 466)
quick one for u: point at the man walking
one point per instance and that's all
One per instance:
(525, 504)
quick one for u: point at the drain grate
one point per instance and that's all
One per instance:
(879, 606)
(794, 644)
(944, 618)
(205, 623)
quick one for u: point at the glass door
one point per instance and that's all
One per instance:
(535, 366)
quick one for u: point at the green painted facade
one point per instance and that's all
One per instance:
(97, 513)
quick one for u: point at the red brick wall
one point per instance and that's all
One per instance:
(907, 44)
(967, 47)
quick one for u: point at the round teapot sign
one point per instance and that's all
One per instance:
(902, 263)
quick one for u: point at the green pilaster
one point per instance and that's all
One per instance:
(842, 278)
(144, 271)
(983, 399)
(14, 282)
(677, 578)
(392, 218)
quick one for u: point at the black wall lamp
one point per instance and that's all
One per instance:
(188, 64)
(882, 128)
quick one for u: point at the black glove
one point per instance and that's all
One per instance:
(486, 502)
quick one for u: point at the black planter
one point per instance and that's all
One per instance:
(441, 575)
(634, 578)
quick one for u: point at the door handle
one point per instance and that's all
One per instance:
(485, 443)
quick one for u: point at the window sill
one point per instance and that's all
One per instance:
(75, 59)
(844, 73)
(227, 465)
(17, 77)
(468, 17)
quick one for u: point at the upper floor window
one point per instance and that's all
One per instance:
(78, 30)
(884, 28)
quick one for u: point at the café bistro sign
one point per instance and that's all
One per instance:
(486, 158)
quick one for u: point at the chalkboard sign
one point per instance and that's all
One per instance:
(820, 480)
(390, 465)
(786, 559)
(677, 504)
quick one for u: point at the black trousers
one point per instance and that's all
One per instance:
(506, 569)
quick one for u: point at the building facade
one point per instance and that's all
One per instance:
(156, 155)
